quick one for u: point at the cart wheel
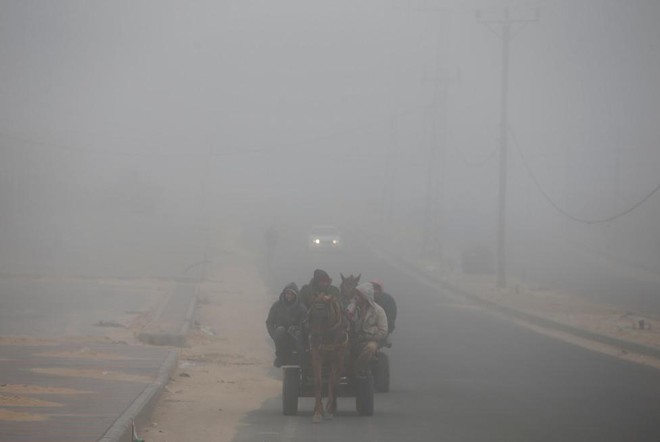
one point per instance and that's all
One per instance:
(364, 399)
(290, 389)
(382, 373)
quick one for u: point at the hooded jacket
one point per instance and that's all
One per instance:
(285, 313)
(308, 291)
(372, 321)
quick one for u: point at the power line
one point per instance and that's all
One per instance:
(566, 213)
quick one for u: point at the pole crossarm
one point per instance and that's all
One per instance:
(506, 22)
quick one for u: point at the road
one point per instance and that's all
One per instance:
(460, 373)
(109, 276)
(66, 308)
(65, 377)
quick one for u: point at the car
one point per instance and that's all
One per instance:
(324, 238)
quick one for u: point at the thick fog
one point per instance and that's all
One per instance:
(132, 131)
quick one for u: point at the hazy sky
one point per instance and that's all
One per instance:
(304, 101)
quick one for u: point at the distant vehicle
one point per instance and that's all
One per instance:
(324, 238)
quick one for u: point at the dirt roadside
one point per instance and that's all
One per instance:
(223, 373)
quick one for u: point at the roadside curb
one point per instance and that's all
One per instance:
(139, 411)
(141, 408)
(176, 338)
(544, 322)
(624, 345)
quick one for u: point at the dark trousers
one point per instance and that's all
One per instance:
(286, 342)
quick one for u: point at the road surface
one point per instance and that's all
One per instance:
(460, 373)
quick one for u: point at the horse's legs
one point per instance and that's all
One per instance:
(331, 404)
(335, 373)
(318, 384)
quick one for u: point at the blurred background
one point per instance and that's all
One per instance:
(132, 132)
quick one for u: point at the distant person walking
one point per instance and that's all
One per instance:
(271, 237)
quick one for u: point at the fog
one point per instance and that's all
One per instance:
(132, 132)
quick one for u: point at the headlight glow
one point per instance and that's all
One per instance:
(317, 241)
(334, 241)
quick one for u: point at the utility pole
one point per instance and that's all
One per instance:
(506, 23)
(429, 238)
(429, 233)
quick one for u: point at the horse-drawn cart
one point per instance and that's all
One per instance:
(332, 365)
(299, 382)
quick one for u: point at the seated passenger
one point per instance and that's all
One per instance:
(370, 327)
(320, 283)
(284, 323)
(386, 301)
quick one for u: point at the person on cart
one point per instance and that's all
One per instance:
(387, 302)
(284, 325)
(320, 283)
(370, 327)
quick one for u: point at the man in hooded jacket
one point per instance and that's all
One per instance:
(320, 283)
(370, 326)
(284, 324)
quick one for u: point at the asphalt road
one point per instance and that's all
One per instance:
(66, 288)
(460, 373)
(49, 308)
(59, 297)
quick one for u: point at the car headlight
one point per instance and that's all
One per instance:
(317, 241)
(334, 241)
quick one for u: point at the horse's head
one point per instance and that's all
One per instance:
(348, 285)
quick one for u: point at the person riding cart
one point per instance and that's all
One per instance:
(284, 324)
(370, 326)
(320, 283)
(321, 371)
(386, 301)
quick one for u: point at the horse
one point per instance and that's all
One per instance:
(328, 332)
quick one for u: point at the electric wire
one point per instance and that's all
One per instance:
(549, 199)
